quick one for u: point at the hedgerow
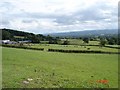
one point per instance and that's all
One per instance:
(81, 51)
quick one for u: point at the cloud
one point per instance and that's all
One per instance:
(47, 16)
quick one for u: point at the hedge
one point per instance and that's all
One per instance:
(22, 47)
(80, 51)
(112, 47)
(103, 46)
(61, 50)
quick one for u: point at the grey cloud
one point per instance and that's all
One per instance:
(5, 22)
(28, 20)
(92, 13)
(7, 6)
(65, 20)
(88, 14)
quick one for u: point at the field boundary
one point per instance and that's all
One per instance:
(112, 47)
(61, 50)
(23, 47)
(103, 46)
(81, 51)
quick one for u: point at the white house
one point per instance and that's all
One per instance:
(7, 42)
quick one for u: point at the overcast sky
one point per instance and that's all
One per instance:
(49, 16)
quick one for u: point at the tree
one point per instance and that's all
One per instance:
(66, 42)
(111, 41)
(49, 38)
(86, 40)
(34, 38)
(6, 35)
(102, 42)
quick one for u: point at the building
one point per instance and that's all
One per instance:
(7, 42)
(26, 41)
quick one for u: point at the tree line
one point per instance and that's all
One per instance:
(8, 34)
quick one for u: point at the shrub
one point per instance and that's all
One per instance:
(22, 47)
(80, 51)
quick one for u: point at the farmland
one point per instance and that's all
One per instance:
(37, 61)
(73, 47)
(54, 69)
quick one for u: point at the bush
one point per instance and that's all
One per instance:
(66, 42)
(22, 47)
(88, 48)
(80, 51)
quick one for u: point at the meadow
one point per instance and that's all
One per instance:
(35, 69)
(80, 42)
(73, 47)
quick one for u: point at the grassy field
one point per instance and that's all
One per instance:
(114, 45)
(35, 69)
(74, 47)
(80, 42)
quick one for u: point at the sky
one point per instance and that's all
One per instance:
(52, 16)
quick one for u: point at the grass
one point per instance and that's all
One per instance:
(50, 70)
(22, 37)
(114, 45)
(73, 47)
(75, 41)
(80, 42)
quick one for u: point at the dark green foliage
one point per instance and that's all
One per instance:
(49, 38)
(22, 47)
(7, 35)
(81, 51)
(102, 42)
(86, 40)
(53, 42)
(10, 34)
(112, 40)
(66, 42)
(35, 39)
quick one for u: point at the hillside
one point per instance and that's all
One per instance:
(20, 35)
(86, 33)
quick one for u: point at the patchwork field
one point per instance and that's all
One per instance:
(73, 47)
(80, 42)
(35, 69)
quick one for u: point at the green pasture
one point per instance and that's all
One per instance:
(80, 42)
(53, 69)
(114, 45)
(21, 37)
(73, 47)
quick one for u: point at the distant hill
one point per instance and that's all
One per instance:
(15, 35)
(85, 33)
(16, 32)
